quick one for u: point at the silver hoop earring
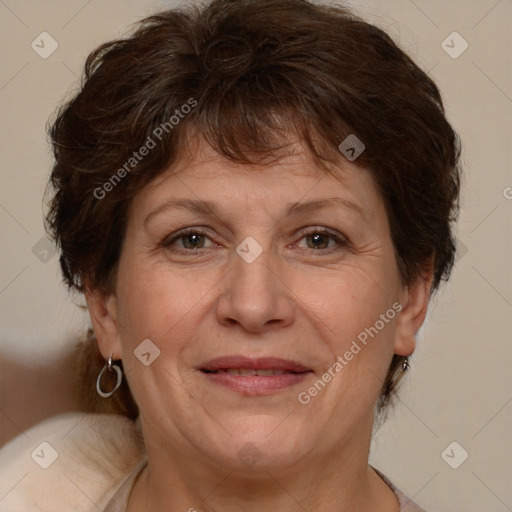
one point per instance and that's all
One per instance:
(109, 366)
(405, 364)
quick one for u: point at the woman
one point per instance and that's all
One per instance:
(255, 198)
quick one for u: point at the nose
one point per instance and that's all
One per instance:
(255, 296)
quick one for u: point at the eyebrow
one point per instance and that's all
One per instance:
(209, 208)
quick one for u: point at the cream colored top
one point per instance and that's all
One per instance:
(84, 463)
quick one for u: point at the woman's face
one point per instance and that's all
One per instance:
(286, 270)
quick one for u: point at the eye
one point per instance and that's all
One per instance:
(192, 240)
(189, 239)
(321, 239)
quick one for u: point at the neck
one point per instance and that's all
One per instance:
(177, 482)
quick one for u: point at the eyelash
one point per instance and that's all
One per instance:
(341, 242)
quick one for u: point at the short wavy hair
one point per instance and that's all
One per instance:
(251, 69)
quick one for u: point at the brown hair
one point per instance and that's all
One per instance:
(250, 69)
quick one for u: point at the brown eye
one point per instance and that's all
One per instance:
(323, 240)
(192, 240)
(318, 241)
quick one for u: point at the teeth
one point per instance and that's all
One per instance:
(249, 371)
(266, 372)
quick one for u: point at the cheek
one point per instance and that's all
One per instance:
(153, 301)
(166, 307)
(357, 323)
(354, 377)
(348, 301)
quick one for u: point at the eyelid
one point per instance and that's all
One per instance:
(323, 230)
(340, 239)
(183, 232)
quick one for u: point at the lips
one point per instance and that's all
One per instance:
(258, 376)
(254, 364)
(249, 371)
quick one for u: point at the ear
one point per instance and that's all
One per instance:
(103, 312)
(414, 300)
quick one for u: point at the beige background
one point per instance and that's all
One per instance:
(459, 387)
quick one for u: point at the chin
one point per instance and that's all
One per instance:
(259, 444)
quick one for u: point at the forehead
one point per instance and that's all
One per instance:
(293, 182)
(202, 174)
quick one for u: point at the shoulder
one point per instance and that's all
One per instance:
(73, 461)
(406, 504)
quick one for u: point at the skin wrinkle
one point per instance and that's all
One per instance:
(318, 74)
(287, 303)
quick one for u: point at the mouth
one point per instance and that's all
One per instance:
(260, 376)
(250, 371)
